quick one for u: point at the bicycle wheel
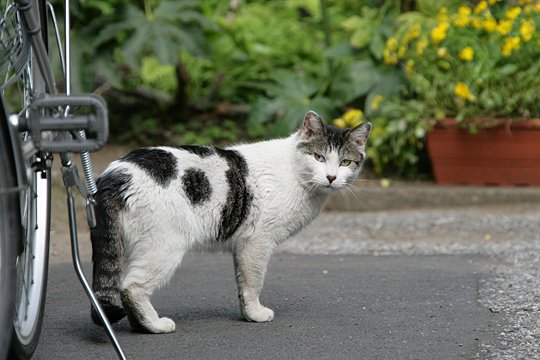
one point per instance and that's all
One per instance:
(26, 83)
(9, 232)
(32, 266)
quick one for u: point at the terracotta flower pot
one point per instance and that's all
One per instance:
(500, 153)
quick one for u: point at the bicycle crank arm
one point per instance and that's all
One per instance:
(87, 112)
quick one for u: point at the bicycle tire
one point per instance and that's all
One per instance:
(33, 258)
(9, 231)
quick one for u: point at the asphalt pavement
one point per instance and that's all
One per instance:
(412, 271)
(327, 307)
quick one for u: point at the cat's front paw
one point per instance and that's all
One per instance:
(259, 314)
(159, 326)
(165, 325)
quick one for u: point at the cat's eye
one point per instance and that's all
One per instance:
(319, 157)
(345, 162)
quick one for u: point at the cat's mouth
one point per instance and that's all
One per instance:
(332, 186)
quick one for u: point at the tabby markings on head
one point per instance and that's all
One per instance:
(332, 138)
(159, 164)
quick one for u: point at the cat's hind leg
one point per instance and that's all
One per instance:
(250, 262)
(143, 277)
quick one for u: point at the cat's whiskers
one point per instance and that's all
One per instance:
(311, 187)
(346, 198)
(352, 192)
(357, 188)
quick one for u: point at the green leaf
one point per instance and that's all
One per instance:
(388, 85)
(354, 81)
(377, 45)
(508, 69)
(361, 37)
(172, 26)
(430, 7)
(352, 23)
(292, 96)
(338, 51)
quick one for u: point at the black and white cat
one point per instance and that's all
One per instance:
(156, 204)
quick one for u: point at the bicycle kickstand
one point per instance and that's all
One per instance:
(71, 180)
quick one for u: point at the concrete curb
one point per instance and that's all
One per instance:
(369, 196)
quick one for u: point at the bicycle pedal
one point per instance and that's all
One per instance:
(86, 122)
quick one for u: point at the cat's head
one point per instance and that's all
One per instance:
(330, 157)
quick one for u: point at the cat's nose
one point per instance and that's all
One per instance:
(330, 178)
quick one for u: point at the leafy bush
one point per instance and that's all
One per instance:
(347, 73)
(473, 61)
(460, 60)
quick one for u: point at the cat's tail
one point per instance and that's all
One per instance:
(107, 244)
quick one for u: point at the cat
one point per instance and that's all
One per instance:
(156, 204)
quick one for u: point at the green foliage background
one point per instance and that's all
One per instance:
(211, 71)
(173, 68)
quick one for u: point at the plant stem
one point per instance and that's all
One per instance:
(148, 11)
(327, 35)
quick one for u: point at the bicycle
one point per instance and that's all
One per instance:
(42, 123)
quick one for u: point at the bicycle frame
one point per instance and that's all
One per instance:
(69, 171)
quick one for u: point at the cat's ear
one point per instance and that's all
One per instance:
(360, 134)
(313, 124)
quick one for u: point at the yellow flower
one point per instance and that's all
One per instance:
(513, 13)
(438, 34)
(392, 44)
(401, 52)
(510, 44)
(466, 54)
(414, 33)
(353, 117)
(463, 17)
(339, 122)
(464, 11)
(442, 16)
(389, 51)
(482, 5)
(409, 68)
(376, 102)
(421, 46)
(462, 90)
(490, 24)
(477, 23)
(442, 52)
(526, 30)
(355, 122)
(389, 57)
(491, 2)
(504, 27)
(461, 21)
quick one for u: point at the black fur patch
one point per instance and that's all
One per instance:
(112, 188)
(157, 163)
(202, 151)
(196, 186)
(239, 196)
